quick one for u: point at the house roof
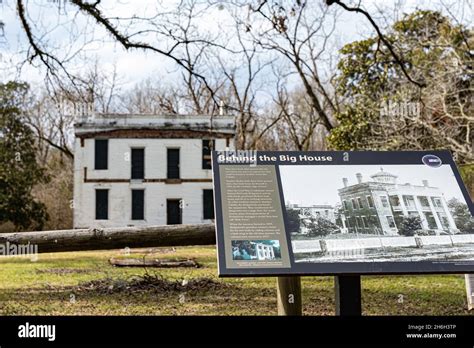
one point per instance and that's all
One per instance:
(115, 123)
(382, 173)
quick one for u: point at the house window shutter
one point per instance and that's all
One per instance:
(173, 212)
(101, 154)
(207, 147)
(101, 204)
(138, 163)
(173, 164)
(208, 204)
(138, 204)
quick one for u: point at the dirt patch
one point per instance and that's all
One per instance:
(150, 283)
(63, 271)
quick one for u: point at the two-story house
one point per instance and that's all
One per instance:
(132, 170)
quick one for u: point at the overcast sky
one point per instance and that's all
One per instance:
(313, 184)
(135, 66)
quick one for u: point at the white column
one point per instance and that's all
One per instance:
(402, 204)
(419, 209)
(435, 214)
(343, 220)
(452, 223)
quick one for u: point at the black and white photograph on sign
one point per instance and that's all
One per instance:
(369, 213)
(256, 250)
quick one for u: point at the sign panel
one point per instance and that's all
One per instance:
(296, 213)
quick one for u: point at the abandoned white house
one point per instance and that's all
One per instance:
(379, 205)
(132, 170)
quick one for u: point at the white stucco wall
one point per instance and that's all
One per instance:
(156, 194)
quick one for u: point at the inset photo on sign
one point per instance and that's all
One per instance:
(256, 250)
(369, 213)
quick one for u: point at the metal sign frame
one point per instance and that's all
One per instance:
(331, 158)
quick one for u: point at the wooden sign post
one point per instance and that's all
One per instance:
(470, 290)
(348, 295)
(289, 296)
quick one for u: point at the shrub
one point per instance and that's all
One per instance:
(410, 225)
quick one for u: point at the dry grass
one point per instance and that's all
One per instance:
(84, 283)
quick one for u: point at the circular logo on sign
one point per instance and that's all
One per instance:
(432, 161)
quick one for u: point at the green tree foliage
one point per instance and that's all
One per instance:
(19, 170)
(462, 216)
(409, 225)
(383, 110)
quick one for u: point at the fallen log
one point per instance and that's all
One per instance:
(153, 263)
(112, 238)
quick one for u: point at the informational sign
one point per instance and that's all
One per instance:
(297, 213)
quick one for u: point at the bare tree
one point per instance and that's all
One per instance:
(151, 97)
(301, 128)
(52, 113)
(119, 28)
(299, 31)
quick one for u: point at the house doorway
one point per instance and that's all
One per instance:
(173, 212)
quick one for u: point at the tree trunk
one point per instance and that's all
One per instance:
(153, 263)
(111, 238)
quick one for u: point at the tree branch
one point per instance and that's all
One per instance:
(395, 56)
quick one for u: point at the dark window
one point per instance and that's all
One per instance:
(424, 201)
(138, 204)
(359, 200)
(353, 223)
(391, 222)
(101, 204)
(409, 202)
(208, 204)
(173, 212)
(370, 202)
(444, 220)
(101, 153)
(207, 147)
(138, 163)
(431, 221)
(354, 204)
(173, 164)
(437, 202)
(394, 201)
(346, 206)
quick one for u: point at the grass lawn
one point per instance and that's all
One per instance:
(84, 283)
